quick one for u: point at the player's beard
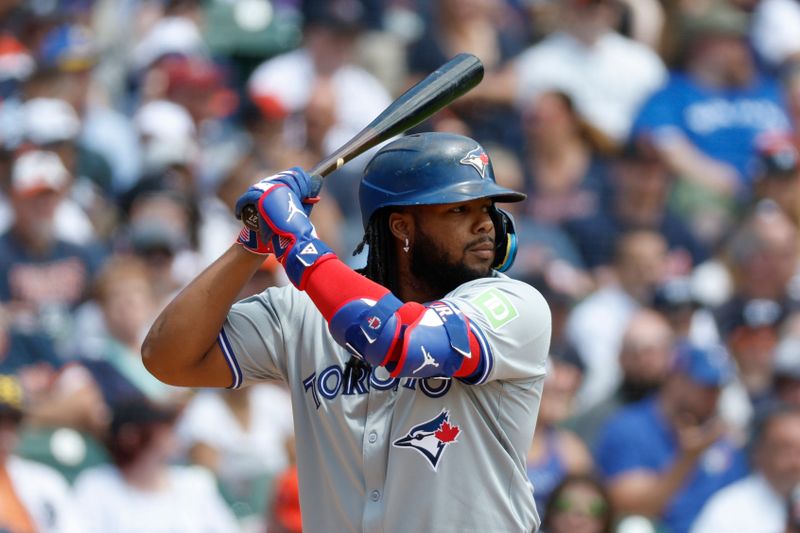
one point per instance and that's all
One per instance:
(430, 264)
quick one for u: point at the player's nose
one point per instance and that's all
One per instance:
(484, 223)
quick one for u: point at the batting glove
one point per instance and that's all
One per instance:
(259, 241)
(293, 237)
(251, 240)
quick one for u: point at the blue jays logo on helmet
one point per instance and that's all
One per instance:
(431, 438)
(478, 159)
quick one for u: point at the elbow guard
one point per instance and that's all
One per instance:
(368, 329)
(410, 340)
(436, 344)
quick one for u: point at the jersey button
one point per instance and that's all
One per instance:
(373, 436)
(375, 496)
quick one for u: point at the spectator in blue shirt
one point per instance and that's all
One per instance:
(708, 115)
(707, 119)
(665, 456)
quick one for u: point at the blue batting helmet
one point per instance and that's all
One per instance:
(429, 168)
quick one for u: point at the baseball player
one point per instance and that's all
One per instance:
(429, 430)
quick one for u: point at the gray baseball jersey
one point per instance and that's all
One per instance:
(400, 454)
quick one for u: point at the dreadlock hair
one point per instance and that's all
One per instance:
(380, 268)
(381, 258)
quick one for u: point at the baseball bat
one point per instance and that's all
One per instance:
(425, 98)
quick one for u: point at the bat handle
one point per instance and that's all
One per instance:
(250, 212)
(316, 184)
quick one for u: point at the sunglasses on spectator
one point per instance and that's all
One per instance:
(595, 508)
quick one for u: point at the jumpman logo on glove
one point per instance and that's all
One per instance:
(428, 361)
(293, 210)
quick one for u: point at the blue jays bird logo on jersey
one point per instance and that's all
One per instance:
(431, 438)
(478, 159)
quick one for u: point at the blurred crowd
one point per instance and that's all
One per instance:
(657, 141)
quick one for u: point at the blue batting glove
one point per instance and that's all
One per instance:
(259, 242)
(251, 240)
(294, 239)
(295, 178)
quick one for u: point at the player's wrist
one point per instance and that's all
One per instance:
(244, 255)
(303, 257)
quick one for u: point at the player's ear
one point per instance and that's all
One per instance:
(401, 224)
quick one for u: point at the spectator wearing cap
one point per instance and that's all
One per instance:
(777, 174)
(596, 325)
(751, 329)
(175, 33)
(141, 490)
(162, 228)
(555, 451)
(705, 121)
(170, 146)
(640, 188)
(42, 277)
(71, 222)
(762, 258)
(645, 359)
(172, 62)
(687, 303)
(51, 123)
(665, 456)
(676, 300)
(33, 497)
(607, 75)
(68, 59)
(200, 87)
(167, 136)
(760, 501)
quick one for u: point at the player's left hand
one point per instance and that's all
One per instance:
(295, 178)
(259, 241)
